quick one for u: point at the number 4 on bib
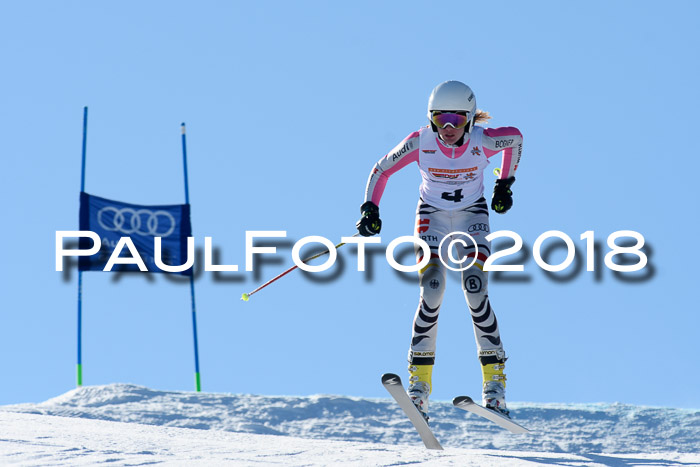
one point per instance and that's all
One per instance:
(455, 196)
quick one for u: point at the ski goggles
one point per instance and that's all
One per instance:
(442, 119)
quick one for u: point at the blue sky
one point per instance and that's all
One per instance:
(288, 106)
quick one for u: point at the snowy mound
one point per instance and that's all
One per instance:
(556, 428)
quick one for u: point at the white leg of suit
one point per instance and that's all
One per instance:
(432, 225)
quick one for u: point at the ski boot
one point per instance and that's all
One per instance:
(494, 387)
(420, 386)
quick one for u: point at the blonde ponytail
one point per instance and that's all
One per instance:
(481, 116)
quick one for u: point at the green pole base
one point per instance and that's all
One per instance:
(197, 382)
(79, 370)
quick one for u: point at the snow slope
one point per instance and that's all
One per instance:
(127, 424)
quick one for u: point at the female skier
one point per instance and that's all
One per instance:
(452, 153)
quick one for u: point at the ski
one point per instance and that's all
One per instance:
(466, 403)
(393, 384)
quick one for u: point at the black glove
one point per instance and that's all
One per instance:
(369, 224)
(502, 199)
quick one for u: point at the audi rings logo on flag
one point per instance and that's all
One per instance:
(114, 221)
(129, 221)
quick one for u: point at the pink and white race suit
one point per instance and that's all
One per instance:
(451, 200)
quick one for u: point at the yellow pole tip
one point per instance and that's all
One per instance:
(245, 297)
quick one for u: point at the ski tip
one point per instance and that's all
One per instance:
(462, 400)
(391, 378)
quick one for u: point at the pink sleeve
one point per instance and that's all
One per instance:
(508, 140)
(398, 158)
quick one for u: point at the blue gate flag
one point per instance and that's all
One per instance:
(112, 220)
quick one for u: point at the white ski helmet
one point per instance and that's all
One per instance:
(453, 96)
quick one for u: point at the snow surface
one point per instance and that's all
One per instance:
(125, 424)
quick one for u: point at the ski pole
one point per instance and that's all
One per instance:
(246, 296)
